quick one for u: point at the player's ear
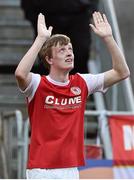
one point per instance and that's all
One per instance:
(49, 60)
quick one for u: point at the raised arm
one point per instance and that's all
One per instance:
(22, 72)
(119, 69)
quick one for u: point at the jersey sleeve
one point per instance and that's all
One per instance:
(95, 82)
(32, 87)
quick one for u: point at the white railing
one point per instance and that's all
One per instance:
(12, 134)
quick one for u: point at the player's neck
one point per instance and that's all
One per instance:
(60, 76)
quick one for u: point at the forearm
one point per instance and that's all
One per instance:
(28, 60)
(118, 60)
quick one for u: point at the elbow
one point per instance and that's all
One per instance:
(19, 75)
(126, 74)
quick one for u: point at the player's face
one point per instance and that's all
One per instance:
(63, 57)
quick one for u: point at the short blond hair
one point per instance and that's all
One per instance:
(46, 49)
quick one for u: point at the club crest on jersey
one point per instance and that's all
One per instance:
(75, 90)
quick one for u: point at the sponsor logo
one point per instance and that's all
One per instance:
(63, 103)
(75, 90)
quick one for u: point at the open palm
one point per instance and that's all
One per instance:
(43, 32)
(101, 25)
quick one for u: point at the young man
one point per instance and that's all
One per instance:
(56, 102)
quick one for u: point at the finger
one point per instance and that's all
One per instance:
(93, 27)
(100, 18)
(40, 16)
(105, 18)
(39, 19)
(43, 20)
(50, 29)
(95, 18)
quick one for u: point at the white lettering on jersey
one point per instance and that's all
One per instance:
(128, 135)
(51, 100)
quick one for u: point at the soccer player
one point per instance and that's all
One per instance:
(56, 102)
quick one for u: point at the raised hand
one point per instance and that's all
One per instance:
(101, 25)
(43, 32)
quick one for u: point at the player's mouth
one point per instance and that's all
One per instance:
(69, 60)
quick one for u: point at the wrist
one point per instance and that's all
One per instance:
(108, 38)
(40, 40)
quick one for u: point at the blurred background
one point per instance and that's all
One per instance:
(16, 36)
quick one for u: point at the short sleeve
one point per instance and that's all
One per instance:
(95, 82)
(32, 87)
